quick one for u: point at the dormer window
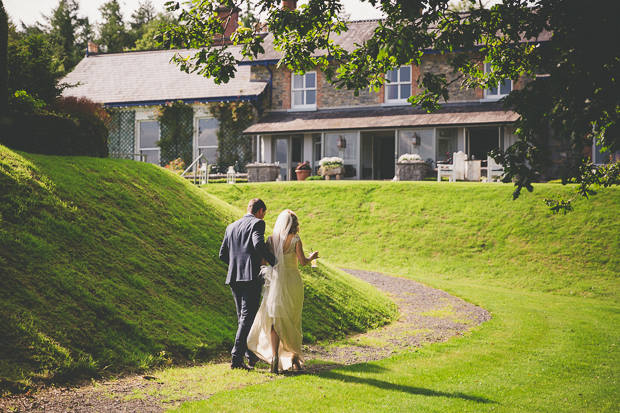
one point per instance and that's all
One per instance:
(304, 91)
(502, 89)
(398, 90)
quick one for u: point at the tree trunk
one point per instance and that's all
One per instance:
(4, 61)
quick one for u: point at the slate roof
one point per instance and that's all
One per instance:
(381, 118)
(133, 78)
(358, 32)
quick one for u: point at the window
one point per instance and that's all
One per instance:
(419, 141)
(304, 91)
(207, 139)
(147, 142)
(398, 90)
(502, 89)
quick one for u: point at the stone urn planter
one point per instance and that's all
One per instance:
(302, 174)
(411, 170)
(262, 172)
(337, 172)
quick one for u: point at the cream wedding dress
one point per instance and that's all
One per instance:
(283, 297)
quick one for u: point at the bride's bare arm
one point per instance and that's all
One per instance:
(303, 260)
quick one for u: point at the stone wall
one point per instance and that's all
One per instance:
(437, 64)
(411, 171)
(262, 172)
(329, 97)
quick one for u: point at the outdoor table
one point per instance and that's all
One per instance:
(472, 170)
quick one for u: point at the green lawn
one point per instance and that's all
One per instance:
(467, 231)
(112, 266)
(552, 344)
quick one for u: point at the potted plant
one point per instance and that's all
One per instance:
(410, 167)
(331, 166)
(303, 170)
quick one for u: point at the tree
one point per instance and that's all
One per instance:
(575, 75)
(149, 30)
(69, 32)
(143, 15)
(112, 32)
(32, 67)
(141, 22)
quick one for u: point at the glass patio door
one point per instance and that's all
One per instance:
(288, 152)
(147, 141)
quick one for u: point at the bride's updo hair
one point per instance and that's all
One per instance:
(295, 224)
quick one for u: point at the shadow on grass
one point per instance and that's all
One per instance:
(401, 388)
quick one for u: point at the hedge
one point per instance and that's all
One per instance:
(55, 135)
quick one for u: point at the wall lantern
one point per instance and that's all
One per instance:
(341, 142)
(415, 139)
(231, 175)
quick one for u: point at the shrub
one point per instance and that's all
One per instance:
(22, 102)
(56, 135)
(80, 108)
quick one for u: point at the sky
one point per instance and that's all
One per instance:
(30, 11)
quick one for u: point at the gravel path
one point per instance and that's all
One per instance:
(427, 315)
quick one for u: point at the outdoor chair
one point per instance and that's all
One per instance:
(445, 169)
(458, 161)
(494, 170)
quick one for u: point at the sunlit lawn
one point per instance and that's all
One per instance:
(549, 346)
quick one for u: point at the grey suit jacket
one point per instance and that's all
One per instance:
(243, 247)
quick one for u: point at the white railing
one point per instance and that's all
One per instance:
(203, 170)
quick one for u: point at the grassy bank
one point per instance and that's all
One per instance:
(111, 265)
(552, 345)
(466, 231)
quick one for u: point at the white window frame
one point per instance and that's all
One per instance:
(398, 83)
(304, 90)
(496, 96)
(197, 147)
(138, 139)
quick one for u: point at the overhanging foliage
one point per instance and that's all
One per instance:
(577, 98)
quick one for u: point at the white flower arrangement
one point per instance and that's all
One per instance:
(409, 157)
(330, 165)
(333, 162)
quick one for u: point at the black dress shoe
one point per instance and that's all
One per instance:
(242, 366)
(252, 361)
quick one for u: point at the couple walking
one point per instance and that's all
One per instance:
(272, 332)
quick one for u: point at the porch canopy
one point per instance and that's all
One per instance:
(381, 118)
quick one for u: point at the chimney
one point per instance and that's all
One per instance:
(225, 15)
(92, 48)
(289, 4)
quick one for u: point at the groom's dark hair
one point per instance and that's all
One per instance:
(256, 205)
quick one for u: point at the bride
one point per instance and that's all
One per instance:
(276, 336)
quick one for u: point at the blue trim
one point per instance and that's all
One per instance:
(259, 62)
(251, 98)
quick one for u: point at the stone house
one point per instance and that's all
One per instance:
(309, 119)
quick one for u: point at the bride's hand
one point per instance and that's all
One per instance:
(314, 255)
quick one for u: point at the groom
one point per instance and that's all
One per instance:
(243, 249)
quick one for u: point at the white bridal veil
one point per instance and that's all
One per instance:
(272, 291)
